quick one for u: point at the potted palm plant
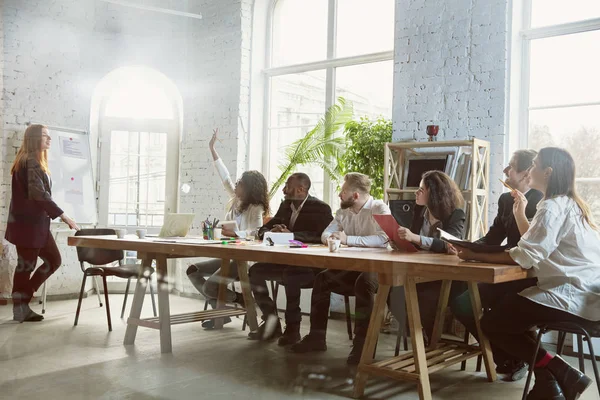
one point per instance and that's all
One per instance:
(320, 146)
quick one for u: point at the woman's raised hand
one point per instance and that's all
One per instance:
(211, 144)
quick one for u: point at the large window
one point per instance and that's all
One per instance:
(561, 85)
(321, 50)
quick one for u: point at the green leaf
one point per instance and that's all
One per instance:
(365, 150)
(320, 146)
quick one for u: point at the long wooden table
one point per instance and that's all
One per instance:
(393, 269)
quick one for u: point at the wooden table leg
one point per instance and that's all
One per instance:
(484, 343)
(225, 266)
(138, 301)
(416, 337)
(439, 315)
(251, 318)
(371, 339)
(164, 312)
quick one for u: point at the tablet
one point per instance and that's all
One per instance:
(390, 226)
(230, 225)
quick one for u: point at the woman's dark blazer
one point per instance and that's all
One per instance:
(31, 207)
(454, 225)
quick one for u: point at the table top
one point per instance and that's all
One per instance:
(422, 264)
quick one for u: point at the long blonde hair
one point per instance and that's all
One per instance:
(562, 179)
(32, 148)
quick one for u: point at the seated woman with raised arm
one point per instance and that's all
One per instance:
(562, 246)
(248, 204)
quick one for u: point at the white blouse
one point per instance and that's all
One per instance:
(252, 217)
(564, 251)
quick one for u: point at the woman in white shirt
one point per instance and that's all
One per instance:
(562, 245)
(248, 204)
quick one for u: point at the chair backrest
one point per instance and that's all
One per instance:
(97, 256)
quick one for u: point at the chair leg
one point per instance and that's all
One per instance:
(244, 323)
(152, 296)
(463, 365)
(275, 292)
(97, 287)
(580, 354)
(348, 316)
(532, 363)
(125, 299)
(594, 364)
(561, 342)
(107, 304)
(479, 360)
(398, 339)
(205, 304)
(80, 298)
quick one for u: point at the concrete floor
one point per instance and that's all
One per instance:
(54, 360)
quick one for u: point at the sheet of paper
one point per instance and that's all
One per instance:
(74, 190)
(71, 147)
(447, 236)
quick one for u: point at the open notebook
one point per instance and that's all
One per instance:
(476, 247)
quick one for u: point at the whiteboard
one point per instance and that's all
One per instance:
(70, 163)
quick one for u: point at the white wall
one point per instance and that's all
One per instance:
(56, 52)
(450, 70)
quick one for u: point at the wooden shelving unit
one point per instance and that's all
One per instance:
(475, 195)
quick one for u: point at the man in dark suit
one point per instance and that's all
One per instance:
(306, 217)
(504, 227)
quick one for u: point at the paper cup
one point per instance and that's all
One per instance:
(334, 245)
(121, 233)
(217, 233)
(141, 233)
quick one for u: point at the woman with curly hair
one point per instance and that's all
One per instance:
(248, 204)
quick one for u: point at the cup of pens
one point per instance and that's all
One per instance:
(208, 228)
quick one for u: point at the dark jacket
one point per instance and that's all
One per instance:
(454, 225)
(31, 207)
(314, 217)
(505, 225)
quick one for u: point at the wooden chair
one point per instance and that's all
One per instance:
(98, 258)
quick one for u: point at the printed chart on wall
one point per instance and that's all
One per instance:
(70, 164)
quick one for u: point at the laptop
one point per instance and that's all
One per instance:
(176, 225)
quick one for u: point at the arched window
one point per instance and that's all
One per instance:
(139, 112)
(320, 50)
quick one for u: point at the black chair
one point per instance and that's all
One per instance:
(275, 291)
(207, 301)
(97, 257)
(586, 333)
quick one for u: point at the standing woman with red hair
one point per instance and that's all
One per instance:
(31, 209)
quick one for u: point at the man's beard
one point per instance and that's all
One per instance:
(344, 204)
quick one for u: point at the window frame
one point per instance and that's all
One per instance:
(329, 64)
(526, 35)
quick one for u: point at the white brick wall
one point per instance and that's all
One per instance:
(55, 52)
(450, 70)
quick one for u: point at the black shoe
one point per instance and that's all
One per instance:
(210, 323)
(571, 380)
(239, 300)
(546, 387)
(269, 329)
(310, 343)
(355, 353)
(291, 335)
